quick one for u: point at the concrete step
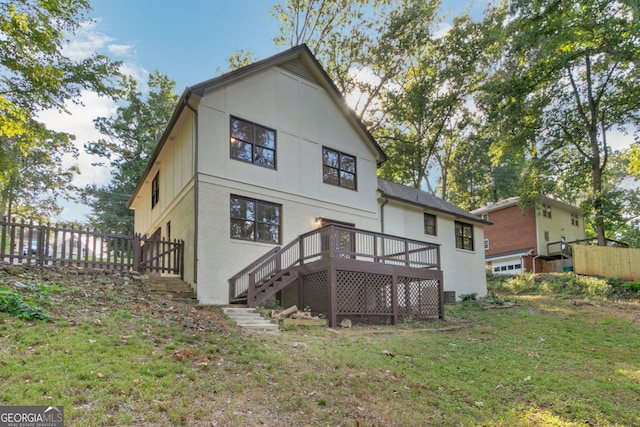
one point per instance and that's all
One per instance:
(250, 319)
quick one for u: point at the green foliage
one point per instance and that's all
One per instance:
(568, 77)
(12, 302)
(468, 297)
(130, 138)
(632, 287)
(35, 75)
(558, 284)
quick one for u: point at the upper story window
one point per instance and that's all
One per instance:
(155, 190)
(430, 224)
(338, 168)
(546, 210)
(252, 143)
(464, 235)
(255, 220)
(574, 219)
(486, 244)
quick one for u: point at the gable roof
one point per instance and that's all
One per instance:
(298, 60)
(422, 199)
(513, 201)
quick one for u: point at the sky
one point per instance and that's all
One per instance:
(188, 40)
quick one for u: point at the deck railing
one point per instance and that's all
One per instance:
(336, 241)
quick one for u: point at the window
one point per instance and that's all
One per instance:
(546, 211)
(574, 219)
(464, 236)
(429, 224)
(252, 143)
(486, 244)
(155, 190)
(546, 236)
(255, 220)
(338, 168)
(485, 217)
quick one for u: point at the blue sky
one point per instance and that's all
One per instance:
(190, 39)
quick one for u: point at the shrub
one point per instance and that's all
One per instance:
(11, 302)
(632, 287)
(469, 297)
(520, 284)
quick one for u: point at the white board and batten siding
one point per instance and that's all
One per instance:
(305, 119)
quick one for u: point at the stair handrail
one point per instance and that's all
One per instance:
(264, 270)
(241, 278)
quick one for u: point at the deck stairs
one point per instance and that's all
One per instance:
(268, 287)
(250, 319)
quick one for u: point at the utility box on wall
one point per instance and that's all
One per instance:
(449, 297)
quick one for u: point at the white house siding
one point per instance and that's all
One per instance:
(463, 271)
(176, 200)
(558, 226)
(220, 257)
(305, 119)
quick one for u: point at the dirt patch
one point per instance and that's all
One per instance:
(90, 292)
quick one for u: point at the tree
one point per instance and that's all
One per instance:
(130, 138)
(561, 88)
(36, 179)
(35, 76)
(621, 205)
(429, 112)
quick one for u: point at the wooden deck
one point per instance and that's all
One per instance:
(339, 271)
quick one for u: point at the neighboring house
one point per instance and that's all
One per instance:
(531, 239)
(259, 156)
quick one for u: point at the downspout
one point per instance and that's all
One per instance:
(386, 200)
(534, 263)
(195, 188)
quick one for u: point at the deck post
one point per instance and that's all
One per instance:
(333, 295)
(441, 292)
(251, 290)
(394, 298)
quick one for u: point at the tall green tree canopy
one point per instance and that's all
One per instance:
(130, 138)
(569, 76)
(406, 81)
(35, 75)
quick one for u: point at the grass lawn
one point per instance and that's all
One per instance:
(114, 354)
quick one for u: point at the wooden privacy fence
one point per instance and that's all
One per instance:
(45, 245)
(620, 263)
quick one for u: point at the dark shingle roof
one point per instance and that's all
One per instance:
(423, 199)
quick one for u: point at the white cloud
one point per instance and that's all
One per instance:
(79, 120)
(121, 49)
(86, 42)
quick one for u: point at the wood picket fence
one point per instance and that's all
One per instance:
(68, 246)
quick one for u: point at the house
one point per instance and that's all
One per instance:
(268, 162)
(532, 239)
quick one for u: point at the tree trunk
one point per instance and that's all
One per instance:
(597, 169)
